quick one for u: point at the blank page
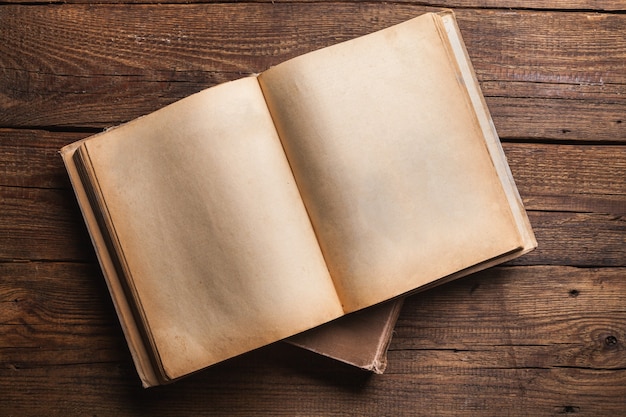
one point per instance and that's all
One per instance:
(390, 160)
(215, 241)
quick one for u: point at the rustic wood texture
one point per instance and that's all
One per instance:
(548, 75)
(543, 335)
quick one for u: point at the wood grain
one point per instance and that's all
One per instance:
(544, 335)
(565, 64)
(565, 349)
(41, 224)
(590, 5)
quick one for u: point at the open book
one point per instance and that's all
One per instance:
(263, 207)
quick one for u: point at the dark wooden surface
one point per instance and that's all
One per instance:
(543, 335)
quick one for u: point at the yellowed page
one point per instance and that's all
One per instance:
(136, 344)
(390, 160)
(211, 228)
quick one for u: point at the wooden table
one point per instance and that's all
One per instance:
(543, 335)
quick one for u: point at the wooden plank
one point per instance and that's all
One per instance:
(570, 177)
(540, 341)
(274, 390)
(57, 314)
(42, 224)
(49, 293)
(534, 4)
(30, 158)
(566, 170)
(564, 69)
(579, 308)
(549, 5)
(558, 119)
(578, 239)
(564, 89)
(563, 48)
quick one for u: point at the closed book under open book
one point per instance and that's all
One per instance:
(264, 207)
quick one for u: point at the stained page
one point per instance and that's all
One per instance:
(390, 161)
(213, 236)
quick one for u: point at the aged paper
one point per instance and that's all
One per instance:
(390, 161)
(217, 246)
